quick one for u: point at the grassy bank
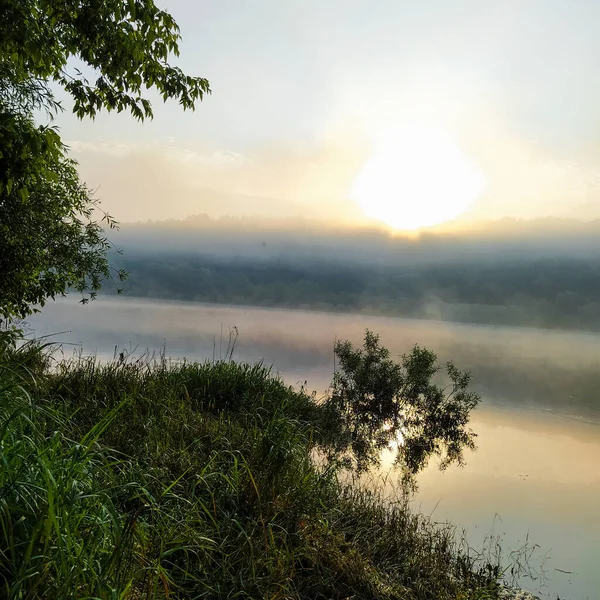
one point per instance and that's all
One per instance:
(142, 480)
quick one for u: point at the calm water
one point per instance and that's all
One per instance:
(535, 477)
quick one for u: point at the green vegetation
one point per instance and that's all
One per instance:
(49, 238)
(544, 292)
(376, 401)
(136, 479)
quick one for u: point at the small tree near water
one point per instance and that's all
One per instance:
(377, 403)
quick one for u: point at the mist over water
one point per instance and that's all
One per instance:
(536, 473)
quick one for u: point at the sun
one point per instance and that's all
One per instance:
(417, 177)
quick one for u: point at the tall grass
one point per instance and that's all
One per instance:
(147, 481)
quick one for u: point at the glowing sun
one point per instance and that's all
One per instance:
(417, 177)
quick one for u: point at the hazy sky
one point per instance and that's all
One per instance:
(302, 91)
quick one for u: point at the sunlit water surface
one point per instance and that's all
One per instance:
(535, 478)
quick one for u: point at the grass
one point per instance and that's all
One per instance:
(141, 480)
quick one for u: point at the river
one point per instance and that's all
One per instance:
(535, 477)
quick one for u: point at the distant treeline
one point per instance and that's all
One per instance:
(549, 292)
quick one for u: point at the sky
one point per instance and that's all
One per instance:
(311, 97)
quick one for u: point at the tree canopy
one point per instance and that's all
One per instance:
(50, 238)
(377, 403)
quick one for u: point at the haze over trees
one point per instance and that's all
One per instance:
(506, 273)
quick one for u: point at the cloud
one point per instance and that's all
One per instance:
(528, 180)
(154, 181)
(137, 182)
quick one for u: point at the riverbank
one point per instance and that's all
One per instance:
(134, 479)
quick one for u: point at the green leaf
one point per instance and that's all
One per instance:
(47, 229)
